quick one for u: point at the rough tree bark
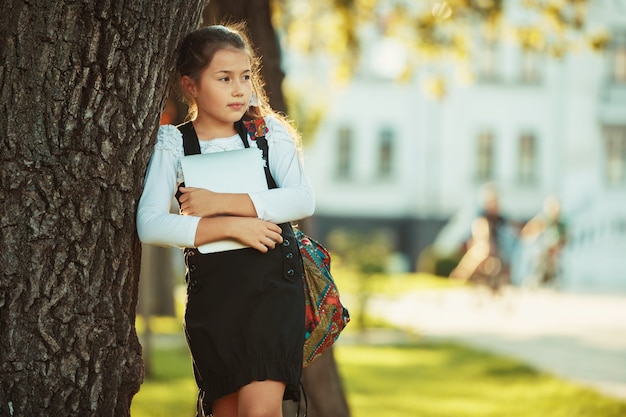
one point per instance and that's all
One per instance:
(321, 379)
(81, 88)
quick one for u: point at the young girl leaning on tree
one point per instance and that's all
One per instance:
(244, 315)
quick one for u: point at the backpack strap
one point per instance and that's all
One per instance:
(292, 265)
(257, 129)
(242, 129)
(191, 144)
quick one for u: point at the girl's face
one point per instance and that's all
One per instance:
(223, 91)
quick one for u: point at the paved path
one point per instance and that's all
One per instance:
(578, 337)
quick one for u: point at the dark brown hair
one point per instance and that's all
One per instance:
(197, 49)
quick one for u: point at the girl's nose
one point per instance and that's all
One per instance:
(237, 89)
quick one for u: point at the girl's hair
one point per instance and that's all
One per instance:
(197, 50)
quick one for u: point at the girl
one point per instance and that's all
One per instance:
(244, 315)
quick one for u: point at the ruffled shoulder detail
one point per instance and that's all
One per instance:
(276, 131)
(169, 138)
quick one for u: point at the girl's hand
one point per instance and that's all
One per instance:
(256, 233)
(197, 202)
(204, 203)
(250, 231)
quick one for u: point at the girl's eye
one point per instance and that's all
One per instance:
(247, 77)
(225, 79)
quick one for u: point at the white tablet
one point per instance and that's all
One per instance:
(239, 171)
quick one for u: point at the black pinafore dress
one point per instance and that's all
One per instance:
(244, 315)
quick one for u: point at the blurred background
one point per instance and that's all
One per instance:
(469, 164)
(443, 98)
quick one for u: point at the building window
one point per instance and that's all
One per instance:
(530, 66)
(487, 63)
(487, 56)
(530, 41)
(385, 153)
(618, 58)
(344, 153)
(615, 140)
(484, 157)
(527, 163)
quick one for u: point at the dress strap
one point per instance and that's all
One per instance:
(241, 128)
(257, 129)
(191, 144)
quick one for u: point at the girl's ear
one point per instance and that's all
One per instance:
(189, 86)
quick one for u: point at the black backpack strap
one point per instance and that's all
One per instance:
(292, 265)
(262, 144)
(191, 144)
(241, 128)
(257, 129)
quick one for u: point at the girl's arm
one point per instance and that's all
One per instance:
(294, 199)
(205, 203)
(256, 233)
(155, 224)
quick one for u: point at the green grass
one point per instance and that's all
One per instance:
(349, 282)
(422, 379)
(160, 325)
(417, 379)
(444, 380)
(171, 391)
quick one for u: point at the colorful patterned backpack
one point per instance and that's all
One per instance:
(325, 316)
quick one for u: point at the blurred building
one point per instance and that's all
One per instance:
(389, 157)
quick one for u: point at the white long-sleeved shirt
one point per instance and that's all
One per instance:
(293, 200)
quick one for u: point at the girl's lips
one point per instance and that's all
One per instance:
(236, 106)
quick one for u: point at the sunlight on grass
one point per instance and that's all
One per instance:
(349, 282)
(167, 398)
(171, 392)
(442, 380)
(424, 379)
(419, 378)
(160, 325)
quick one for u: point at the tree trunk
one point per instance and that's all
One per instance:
(81, 86)
(157, 281)
(324, 389)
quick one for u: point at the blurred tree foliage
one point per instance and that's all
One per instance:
(432, 29)
(367, 254)
(434, 35)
